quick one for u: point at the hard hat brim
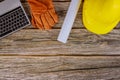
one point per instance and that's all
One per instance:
(99, 25)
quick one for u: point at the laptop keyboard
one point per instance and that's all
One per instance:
(12, 21)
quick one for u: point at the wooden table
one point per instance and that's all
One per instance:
(31, 54)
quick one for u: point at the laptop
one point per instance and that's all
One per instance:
(12, 17)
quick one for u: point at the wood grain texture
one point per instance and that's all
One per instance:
(96, 74)
(59, 68)
(31, 54)
(81, 42)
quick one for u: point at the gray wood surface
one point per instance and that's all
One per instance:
(81, 42)
(59, 68)
(31, 54)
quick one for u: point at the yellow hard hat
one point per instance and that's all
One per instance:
(101, 16)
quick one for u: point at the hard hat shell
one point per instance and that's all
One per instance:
(101, 16)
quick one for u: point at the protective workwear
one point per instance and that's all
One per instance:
(101, 16)
(43, 14)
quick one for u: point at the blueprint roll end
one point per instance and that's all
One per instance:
(62, 40)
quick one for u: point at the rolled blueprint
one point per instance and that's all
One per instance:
(69, 20)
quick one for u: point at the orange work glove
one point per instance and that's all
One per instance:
(43, 14)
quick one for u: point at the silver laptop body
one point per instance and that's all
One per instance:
(12, 17)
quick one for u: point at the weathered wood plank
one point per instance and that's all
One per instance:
(96, 74)
(31, 54)
(59, 67)
(81, 42)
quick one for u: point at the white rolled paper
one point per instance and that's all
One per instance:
(69, 20)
